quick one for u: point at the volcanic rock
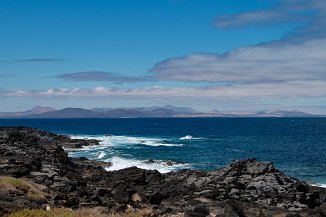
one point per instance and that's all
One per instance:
(242, 188)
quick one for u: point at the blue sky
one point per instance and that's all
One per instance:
(208, 54)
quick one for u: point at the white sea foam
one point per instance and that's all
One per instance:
(130, 140)
(320, 185)
(101, 154)
(85, 148)
(127, 140)
(190, 137)
(106, 149)
(121, 163)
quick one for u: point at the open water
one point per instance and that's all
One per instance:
(297, 146)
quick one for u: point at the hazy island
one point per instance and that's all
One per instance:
(143, 112)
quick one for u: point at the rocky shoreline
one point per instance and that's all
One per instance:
(243, 188)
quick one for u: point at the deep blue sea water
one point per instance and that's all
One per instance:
(297, 146)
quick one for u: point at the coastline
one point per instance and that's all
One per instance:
(118, 163)
(248, 186)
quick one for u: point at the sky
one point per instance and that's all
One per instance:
(253, 55)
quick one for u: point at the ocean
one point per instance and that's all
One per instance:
(297, 146)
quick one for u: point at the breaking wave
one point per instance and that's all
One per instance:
(190, 137)
(115, 149)
(101, 154)
(121, 163)
(320, 185)
(111, 140)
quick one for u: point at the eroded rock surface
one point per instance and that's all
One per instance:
(243, 188)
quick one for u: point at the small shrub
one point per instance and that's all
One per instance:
(90, 212)
(59, 212)
(130, 212)
(30, 189)
(83, 212)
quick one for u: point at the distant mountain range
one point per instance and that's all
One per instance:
(34, 111)
(139, 112)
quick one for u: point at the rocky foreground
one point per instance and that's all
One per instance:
(243, 188)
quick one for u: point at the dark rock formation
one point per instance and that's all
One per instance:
(243, 188)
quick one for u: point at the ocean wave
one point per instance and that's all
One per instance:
(121, 163)
(319, 185)
(190, 137)
(85, 148)
(101, 154)
(108, 151)
(111, 140)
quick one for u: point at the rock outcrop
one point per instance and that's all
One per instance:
(48, 177)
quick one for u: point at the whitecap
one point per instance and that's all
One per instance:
(85, 148)
(112, 140)
(190, 137)
(158, 143)
(121, 163)
(130, 140)
(101, 154)
(319, 185)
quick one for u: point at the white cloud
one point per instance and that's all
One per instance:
(102, 76)
(300, 56)
(262, 63)
(258, 18)
(236, 91)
